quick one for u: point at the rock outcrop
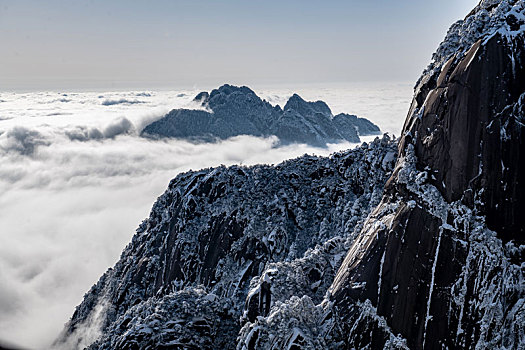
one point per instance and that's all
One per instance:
(187, 277)
(232, 111)
(439, 263)
(443, 267)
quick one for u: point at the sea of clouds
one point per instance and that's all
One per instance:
(76, 179)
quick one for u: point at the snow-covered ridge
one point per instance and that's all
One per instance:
(214, 230)
(489, 17)
(232, 111)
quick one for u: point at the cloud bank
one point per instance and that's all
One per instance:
(75, 182)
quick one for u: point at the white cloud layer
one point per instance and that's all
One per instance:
(76, 180)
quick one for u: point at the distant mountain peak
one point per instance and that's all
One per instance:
(298, 104)
(225, 90)
(202, 98)
(228, 89)
(235, 110)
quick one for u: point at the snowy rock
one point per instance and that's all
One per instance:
(236, 111)
(444, 269)
(232, 240)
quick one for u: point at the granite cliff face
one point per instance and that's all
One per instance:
(443, 266)
(326, 253)
(439, 263)
(233, 111)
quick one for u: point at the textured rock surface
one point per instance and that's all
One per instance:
(439, 263)
(233, 111)
(443, 268)
(213, 231)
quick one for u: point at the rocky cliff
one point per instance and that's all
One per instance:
(439, 263)
(185, 279)
(443, 264)
(232, 111)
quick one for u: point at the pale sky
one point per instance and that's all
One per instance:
(75, 44)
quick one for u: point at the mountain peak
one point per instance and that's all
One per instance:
(297, 103)
(228, 89)
(234, 111)
(222, 93)
(488, 18)
(202, 98)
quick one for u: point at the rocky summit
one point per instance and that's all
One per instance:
(231, 111)
(416, 243)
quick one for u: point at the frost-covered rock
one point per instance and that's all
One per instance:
(216, 232)
(439, 263)
(187, 319)
(443, 267)
(233, 111)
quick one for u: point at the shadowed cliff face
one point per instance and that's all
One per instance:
(468, 132)
(439, 262)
